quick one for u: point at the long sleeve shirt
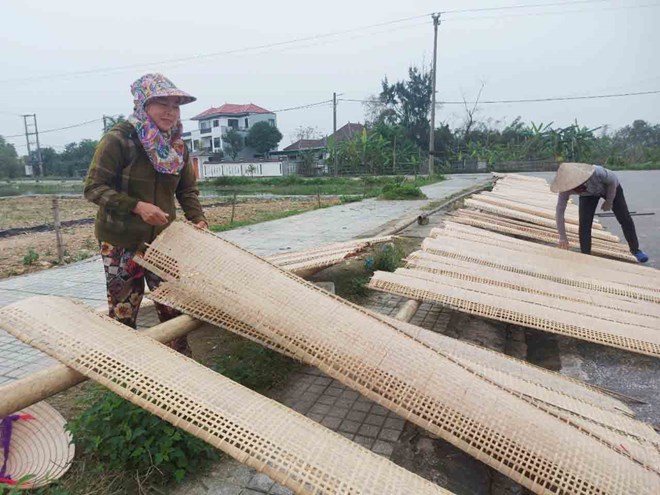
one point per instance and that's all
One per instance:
(602, 183)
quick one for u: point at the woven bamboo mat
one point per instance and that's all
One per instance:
(486, 235)
(510, 429)
(596, 324)
(465, 270)
(548, 236)
(300, 261)
(293, 450)
(534, 218)
(565, 267)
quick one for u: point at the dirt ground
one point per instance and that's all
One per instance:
(31, 252)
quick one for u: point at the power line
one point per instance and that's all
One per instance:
(215, 54)
(529, 100)
(290, 42)
(310, 105)
(541, 14)
(557, 98)
(521, 6)
(60, 128)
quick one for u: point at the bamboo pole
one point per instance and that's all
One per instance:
(45, 383)
(407, 311)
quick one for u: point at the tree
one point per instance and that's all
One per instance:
(9, 164)
(263, 137)
(407, 104)
(76, 157)
(233, 143)
(109, 121)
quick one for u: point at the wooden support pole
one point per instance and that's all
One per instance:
(45, 383)
(58, 231)
(407, 311)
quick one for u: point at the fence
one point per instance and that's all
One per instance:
(526, 166)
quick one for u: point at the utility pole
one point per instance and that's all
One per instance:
(105, 125)
(34, 131)
(436, 22)
(334, 132)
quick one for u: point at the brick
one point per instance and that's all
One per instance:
(338, 412)
(389, 434)
(330, 422)
(349, 426)
(362, 406)
(364, 441)
(378, 409)
(260, 482)
(383, 448)
(356, 416)
(280, 490)
(369, 430)
(394, 423)
(373, 419)
(320, 409)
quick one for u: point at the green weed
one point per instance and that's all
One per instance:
(31, 257)
(123, 437)
(254, 366)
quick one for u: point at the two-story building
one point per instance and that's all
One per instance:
(213, 124)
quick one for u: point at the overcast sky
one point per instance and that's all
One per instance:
(66, 60)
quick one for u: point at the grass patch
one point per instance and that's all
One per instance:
(254, 366)
(294, 185)
(351, 278)
(401, 191)
(386, 258)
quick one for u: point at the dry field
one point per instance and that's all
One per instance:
(30, 252)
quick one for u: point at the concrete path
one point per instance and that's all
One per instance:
(85, 281)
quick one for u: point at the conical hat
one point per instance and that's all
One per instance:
(39, 447)
(570, 175)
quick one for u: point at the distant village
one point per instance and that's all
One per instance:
(208, 147)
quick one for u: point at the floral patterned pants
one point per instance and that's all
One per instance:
(125, 288)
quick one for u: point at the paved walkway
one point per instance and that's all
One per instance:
(85, 281)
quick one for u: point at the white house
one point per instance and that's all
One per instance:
(213, 123)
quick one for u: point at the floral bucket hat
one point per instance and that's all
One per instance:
(155, 85)
(165, 149)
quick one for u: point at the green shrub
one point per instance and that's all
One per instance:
(357, 288)
(254, 366)
(231, 181)
(387, 258)
(349, 199)
(125, 438)
(401, 191)
(31, 257)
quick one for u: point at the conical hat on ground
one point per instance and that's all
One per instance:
(40, 448)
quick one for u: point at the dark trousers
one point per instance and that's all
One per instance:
(587, 208)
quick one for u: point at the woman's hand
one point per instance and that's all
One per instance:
(150, 213)
(607, 206)
(563, 245)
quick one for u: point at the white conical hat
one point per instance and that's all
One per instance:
(570, 175)
(40, 447)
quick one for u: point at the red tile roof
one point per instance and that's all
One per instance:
(231, 109)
